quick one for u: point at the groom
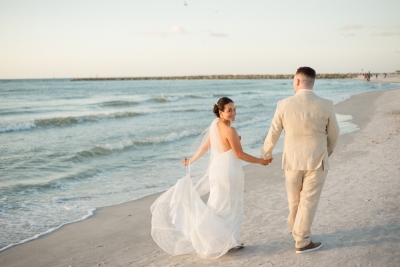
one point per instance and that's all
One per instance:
(311, 133)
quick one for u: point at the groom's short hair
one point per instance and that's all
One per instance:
(307, 71)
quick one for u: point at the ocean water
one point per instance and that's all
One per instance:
(67, 148)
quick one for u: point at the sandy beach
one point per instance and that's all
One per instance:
(390, 78)
(357, 219)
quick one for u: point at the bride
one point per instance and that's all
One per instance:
(181, 222)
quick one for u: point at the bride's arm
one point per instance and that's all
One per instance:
(234, 141)
(203, 149)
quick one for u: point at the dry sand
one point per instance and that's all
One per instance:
(358, 219)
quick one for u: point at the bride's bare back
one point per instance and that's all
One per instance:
(224, 131)
(226, 112)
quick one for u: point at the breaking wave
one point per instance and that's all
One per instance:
(163, 99)
(108, 149)
(64, 121)
(118, 103)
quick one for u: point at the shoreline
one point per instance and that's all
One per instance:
(115, 234)
(219, 77)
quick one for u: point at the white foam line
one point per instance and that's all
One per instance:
(90, 213)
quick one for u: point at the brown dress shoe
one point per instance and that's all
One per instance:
(310, 247)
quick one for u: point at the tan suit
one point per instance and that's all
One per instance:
(311, 134)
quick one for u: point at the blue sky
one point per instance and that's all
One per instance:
(68, 39)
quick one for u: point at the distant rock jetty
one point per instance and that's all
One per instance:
(219, 77)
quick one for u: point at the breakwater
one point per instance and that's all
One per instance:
(219, 77)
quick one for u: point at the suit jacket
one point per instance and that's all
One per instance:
(311, 131)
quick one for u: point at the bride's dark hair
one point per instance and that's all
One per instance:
(220, 105)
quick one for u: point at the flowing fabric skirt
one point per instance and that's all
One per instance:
(182, 223)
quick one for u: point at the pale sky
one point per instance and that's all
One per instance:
(121, 38)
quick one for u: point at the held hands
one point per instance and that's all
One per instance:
(265, 162)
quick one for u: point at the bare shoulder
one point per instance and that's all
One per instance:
(226, 130)
(231, 131)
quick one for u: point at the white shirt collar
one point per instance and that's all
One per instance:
(304, 90)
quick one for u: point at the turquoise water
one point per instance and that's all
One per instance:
(70, 147)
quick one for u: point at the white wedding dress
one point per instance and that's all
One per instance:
(182, 223)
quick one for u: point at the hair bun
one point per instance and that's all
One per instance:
(216, 110)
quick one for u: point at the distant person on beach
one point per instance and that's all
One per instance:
(181, 222)
(384, 75)
(311, 132)
(376, 76)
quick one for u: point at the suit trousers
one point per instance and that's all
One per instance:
(303, 191)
